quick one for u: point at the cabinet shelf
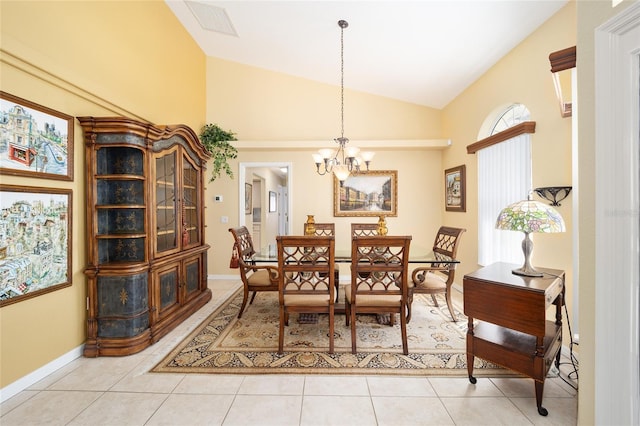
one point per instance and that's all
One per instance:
(120, 206)
(115, 235)
(120, 177)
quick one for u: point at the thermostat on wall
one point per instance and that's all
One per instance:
(217, 198)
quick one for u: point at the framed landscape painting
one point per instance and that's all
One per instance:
(454, 182)
(372, 193)
(35, 248)
(35, 141)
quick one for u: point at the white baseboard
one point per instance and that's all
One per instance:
(39, 374)
(224, 277)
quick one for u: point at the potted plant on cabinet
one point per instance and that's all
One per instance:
(216, 141)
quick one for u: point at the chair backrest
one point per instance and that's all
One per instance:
(379, 264)
(242, 239)
(445, 246)
(306, 264)
(322, 229)
(364, 229)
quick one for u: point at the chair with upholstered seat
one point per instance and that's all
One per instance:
(254, 278)
(306, 279)
(379, 281)
(438, 278)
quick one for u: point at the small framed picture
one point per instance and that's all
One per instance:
(37, 141)
(248, 198)
(454, 189)
(273, 202)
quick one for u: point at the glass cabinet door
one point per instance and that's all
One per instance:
(166, 205)
(190, 204)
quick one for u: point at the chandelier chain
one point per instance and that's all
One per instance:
(342, 80)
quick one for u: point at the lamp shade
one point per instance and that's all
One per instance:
(530, 216)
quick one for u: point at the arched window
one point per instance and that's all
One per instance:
(504, 177)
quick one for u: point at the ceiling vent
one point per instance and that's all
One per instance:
(212, 18)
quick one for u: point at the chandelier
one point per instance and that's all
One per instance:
(345, 160)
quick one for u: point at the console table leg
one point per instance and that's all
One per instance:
(470, 352)
(539, 389)
(470, 358)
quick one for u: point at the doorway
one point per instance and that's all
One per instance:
(271, 197)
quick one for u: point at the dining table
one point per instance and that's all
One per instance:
(343, 256)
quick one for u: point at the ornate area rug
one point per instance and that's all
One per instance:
(224, 344)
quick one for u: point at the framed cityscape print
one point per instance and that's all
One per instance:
(372, 193)
(35, 141)
(35, 241)
(455, 194)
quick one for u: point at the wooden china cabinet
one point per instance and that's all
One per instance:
(147, 259)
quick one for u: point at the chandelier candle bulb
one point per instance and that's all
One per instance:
(367, 156)
(352, 151)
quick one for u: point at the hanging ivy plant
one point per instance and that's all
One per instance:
(216, 140)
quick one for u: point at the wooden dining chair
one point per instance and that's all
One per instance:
(364, 229)
(306, 279)
(326, 229)
(254, 278)
(437, 278)
(321, 229)
(379, 281)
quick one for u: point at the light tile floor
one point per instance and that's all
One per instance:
(120, 391)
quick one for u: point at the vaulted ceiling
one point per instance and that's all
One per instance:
(422, 51)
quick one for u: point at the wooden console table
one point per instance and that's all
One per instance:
(511, 328)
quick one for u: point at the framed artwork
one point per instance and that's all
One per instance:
(35, 241)
(273, 201)
(35, 141)
(454, 189)
(248, 198)
(372, 193)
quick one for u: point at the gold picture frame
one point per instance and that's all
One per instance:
(372, 193)
(454, 189)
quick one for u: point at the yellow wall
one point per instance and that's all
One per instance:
(262, 105)
(88, 58)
